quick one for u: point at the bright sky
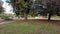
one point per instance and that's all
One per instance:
(7, 8)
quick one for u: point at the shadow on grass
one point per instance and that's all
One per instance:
(56, 22)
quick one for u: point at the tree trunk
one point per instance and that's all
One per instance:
(25, 16)
(49, 16)
(18, 17)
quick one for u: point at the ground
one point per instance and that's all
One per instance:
(31, 27)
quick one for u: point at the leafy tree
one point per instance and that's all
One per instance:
(15, 5)
(37, 7)
(1, 9)
(21, 8)
(26, 6)
(52, 8)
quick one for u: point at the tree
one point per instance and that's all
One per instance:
(37, 8)
(1, 9)
(20, 8)
(25, 5)
(52, 8)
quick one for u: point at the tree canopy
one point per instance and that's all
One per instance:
(21, 8)
(1, 9)
(52, 8)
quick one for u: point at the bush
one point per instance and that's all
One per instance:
(7, 18)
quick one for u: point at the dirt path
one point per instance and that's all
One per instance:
(1, 23)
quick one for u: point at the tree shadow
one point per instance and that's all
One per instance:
(56, 22)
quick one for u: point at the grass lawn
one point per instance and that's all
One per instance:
(1, 20)
(28, 28)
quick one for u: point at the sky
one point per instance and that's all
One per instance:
(8, 9)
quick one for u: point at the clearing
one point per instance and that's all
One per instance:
(31, 27)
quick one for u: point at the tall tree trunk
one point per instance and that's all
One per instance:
(49, 16)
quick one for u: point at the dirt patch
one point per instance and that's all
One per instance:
(51, 22)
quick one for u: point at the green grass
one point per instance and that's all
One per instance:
(26, 28)
(1, 20)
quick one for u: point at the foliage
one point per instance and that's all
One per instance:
(20, 8)
(1, 9)
(25, 8)
(37, 7)
(52, 9)
(7, 18)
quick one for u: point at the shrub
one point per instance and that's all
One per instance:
(7, 18)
